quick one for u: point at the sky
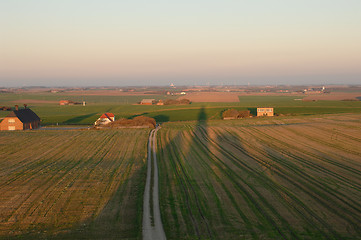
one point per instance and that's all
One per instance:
(188, 42)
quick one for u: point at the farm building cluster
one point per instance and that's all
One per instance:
(25, 118)
(235, 114)
(164, 102)
(69, 102)
(151, 102)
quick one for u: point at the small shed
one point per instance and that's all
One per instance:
(105, 119)
(20, 119)
(160, 102)
(265, 112)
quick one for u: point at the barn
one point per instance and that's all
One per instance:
(20, 119)
(264, 112)
(105, 119)
(147, 102)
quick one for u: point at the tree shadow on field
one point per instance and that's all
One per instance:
(245, 172)
(78, 119)
(261, 173)
(137, 115)
(161, 118)
(201, 195)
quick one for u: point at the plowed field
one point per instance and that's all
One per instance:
(72, 184)
(262, 179)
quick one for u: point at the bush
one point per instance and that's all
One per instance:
(175, 102)
(139, 121)
(230, 113)
(234, 114)
(171, 102)
(185, 101)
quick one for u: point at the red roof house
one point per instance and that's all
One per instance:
(105, 119)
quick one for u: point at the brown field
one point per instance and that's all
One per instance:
(72, 184)
(211, 97)
(104, 93)
(30, 101)
(333, 96)
(272, 178)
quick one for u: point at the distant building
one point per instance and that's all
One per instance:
(147, 102)
(264, 112)
(105, 119)
(160, 102)
(20, 120)
(64, 102)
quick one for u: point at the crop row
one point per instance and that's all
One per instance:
(279, 180)
(63, 183)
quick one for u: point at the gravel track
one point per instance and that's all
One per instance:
(152, 223)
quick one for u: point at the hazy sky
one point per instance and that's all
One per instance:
(123, 42)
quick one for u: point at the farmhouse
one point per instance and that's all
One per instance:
(20, 119)
(147, 102)
(264, 112)
(105, 119)
(64, 102)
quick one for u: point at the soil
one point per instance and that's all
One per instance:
(211, 97)
(30, 101)
(333, 96)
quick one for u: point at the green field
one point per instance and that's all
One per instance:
(123, 107)
(83, 184)
(290, 178)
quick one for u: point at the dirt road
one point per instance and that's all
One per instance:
(152, 223)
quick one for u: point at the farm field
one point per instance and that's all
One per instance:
(270, 178)
(72, 184)
(46, 106)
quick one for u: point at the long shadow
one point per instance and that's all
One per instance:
(201, 206)
(191, 200)
(137, 115)
(158, 118)
(78, 119)
(250, 181)
(288, 179)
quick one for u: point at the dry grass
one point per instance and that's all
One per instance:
(337, 96)
(139, 121)
(211, 97)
